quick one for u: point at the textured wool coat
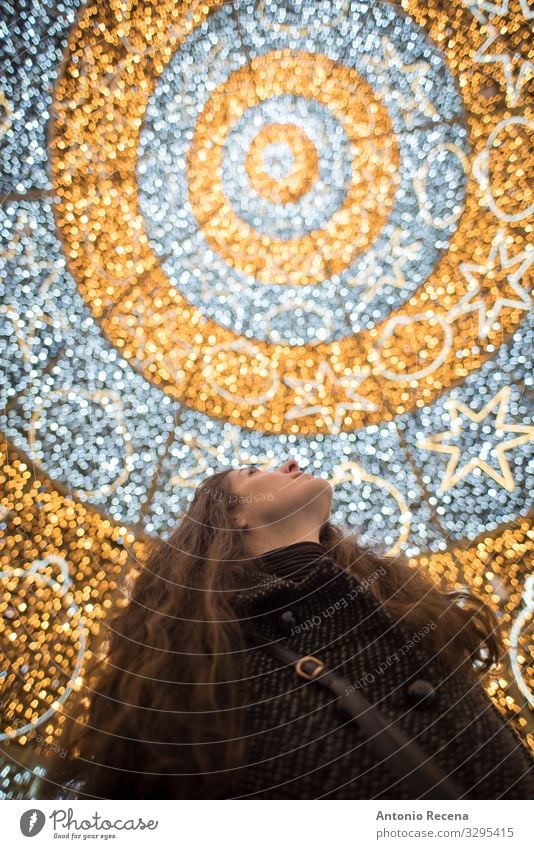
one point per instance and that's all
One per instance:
(299, 747)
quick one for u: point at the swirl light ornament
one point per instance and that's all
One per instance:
(234, 231)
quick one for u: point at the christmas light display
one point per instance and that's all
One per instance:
(237, 232)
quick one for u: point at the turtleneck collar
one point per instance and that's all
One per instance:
(292, 561)
(286, 574)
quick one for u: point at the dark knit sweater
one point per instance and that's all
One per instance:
(300, 748)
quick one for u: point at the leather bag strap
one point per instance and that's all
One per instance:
(405, 759)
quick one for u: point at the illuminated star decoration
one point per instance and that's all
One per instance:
(474, 299)
(210, 456)
(401, 253)
(479, 6)
(486, 53)
(320, 394)
(45, 309)
(415, 73)
(489, 446)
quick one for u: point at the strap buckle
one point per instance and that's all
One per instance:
(303, 674)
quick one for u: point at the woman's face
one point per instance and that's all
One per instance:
(265, 497)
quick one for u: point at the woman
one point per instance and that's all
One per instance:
(190, 704)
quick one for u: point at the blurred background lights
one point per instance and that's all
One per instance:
(234, 232)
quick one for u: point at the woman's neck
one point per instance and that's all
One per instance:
(257, 547)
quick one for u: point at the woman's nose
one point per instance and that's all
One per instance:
(290, 466)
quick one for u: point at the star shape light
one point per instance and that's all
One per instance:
(417, 101)
(44, 310)
(482, 278)
(208, 455)
(478, 7)
(319, 395)
(461, 417)
(516, 69)
(401, 252)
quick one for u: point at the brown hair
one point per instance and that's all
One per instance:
(163, 720)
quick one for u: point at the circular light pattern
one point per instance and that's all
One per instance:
(368, 195)
(261, 232)
(111, 216)
(267, 166)
(403, 252)
(324, 182)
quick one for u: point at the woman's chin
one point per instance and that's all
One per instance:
(319, 483)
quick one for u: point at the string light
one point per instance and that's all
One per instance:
(231, 232)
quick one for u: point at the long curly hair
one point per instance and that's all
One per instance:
(160, 708)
